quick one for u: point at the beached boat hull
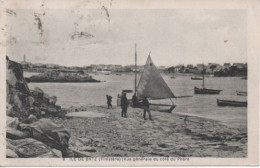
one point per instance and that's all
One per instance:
(231, 103)
(206, 91)
(162, 107)
(157, 107)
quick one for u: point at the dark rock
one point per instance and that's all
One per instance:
(12, 133)
(38, 93)
(30, 119)
(49, 133)
(53, 100)
(30, 101)
(9, 109)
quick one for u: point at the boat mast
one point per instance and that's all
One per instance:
(135, 67)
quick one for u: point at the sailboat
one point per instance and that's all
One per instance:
(203, 90)
(153, 86)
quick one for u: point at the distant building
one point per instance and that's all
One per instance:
(179, 67)
(200, 67)
(127, 68)
(161, 68)
(194, 70)
(227, 65)
(118, 68)
(239, 65)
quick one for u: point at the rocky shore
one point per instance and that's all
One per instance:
(29, 132)
(168, 135)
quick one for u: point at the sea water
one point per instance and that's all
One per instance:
(82, 94)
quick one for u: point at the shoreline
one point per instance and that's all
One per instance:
(169, 134)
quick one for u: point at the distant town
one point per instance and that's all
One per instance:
(227, 69)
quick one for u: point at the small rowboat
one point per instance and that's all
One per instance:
(239, 93)
(231, 103)
(206, 91)
(127, 91)
(196, 78)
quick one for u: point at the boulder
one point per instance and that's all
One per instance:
(12, 133)
(16, 100)
(11, 154)
(12, 122)
(49, 133)
(10, 77)
(22, 87)
(53, 100)
(30, 148)
(9, 109)
(57, 152)
(38, 93)
(46, 98)
(30, 119)
(29, 101)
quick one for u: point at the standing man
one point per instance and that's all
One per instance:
(146, 108)
(109, 100)
(124, 104)
(135, 101)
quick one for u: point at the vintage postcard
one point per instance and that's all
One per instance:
(129, 83)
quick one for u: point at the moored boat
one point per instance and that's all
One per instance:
(203, 90)
(231, 103)
(127, 91)
(239, 93)
(206, 91)
(196, 78)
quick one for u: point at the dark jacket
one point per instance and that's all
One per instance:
(135, 101)
(109, 98)
(124, 102)
(146, 103)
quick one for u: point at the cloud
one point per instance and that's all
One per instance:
(173, 36)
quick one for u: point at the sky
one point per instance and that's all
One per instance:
(107, 36)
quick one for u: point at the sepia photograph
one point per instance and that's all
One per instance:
(127, 83)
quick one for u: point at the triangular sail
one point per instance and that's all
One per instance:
(151, 84)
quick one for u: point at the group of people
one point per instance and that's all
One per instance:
(144, 104)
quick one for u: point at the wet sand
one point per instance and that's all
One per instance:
(168, 135)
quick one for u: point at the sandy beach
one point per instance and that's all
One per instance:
(107, 134)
